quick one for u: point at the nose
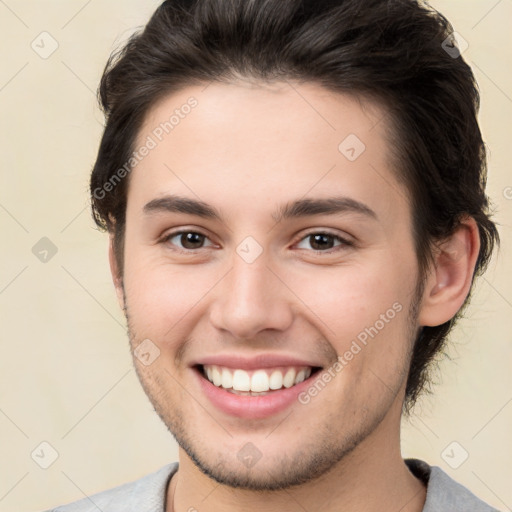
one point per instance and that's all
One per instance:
(251, 298)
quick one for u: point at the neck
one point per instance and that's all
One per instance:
(372, 478)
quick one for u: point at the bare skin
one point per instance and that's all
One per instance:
(247, 150)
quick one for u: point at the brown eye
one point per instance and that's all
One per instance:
(322, 242)
(191, 240)
(188, 240)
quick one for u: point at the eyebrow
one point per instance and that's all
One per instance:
(293, 209)
(323, 206)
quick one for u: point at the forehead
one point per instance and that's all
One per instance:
(306, 110)
(250, 140)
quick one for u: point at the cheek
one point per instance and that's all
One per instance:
(352, 298)
(163, 298)
(363, 311)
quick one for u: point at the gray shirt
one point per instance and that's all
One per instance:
(148, 493)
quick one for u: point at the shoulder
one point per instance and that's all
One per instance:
(147, 494)
(444, 493)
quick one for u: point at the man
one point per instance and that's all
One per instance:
(294, 192)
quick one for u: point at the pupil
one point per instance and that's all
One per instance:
(323, 241)
(191, 240)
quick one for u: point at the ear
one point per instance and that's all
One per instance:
(116, 275)
(450, 278)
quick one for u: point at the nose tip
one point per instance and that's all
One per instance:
(251, 299)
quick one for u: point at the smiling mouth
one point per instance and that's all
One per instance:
(256, 382)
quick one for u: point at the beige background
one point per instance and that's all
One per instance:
(66, 373)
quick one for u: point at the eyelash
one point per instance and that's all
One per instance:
(344, 243)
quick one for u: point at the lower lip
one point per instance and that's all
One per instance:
(252, 407)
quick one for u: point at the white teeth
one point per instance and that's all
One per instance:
(289, 378)
(216, 376)
(300, 376)
(276, 380)
(241, 381)
(259, 381)
(227, 379)
(256, 381)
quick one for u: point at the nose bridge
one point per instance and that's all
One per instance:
(251, 298)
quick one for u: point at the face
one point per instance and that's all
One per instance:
(269, 278)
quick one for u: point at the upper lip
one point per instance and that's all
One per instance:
(254, 362)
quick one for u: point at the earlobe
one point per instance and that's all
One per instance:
(117, 278)
(450, 279)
